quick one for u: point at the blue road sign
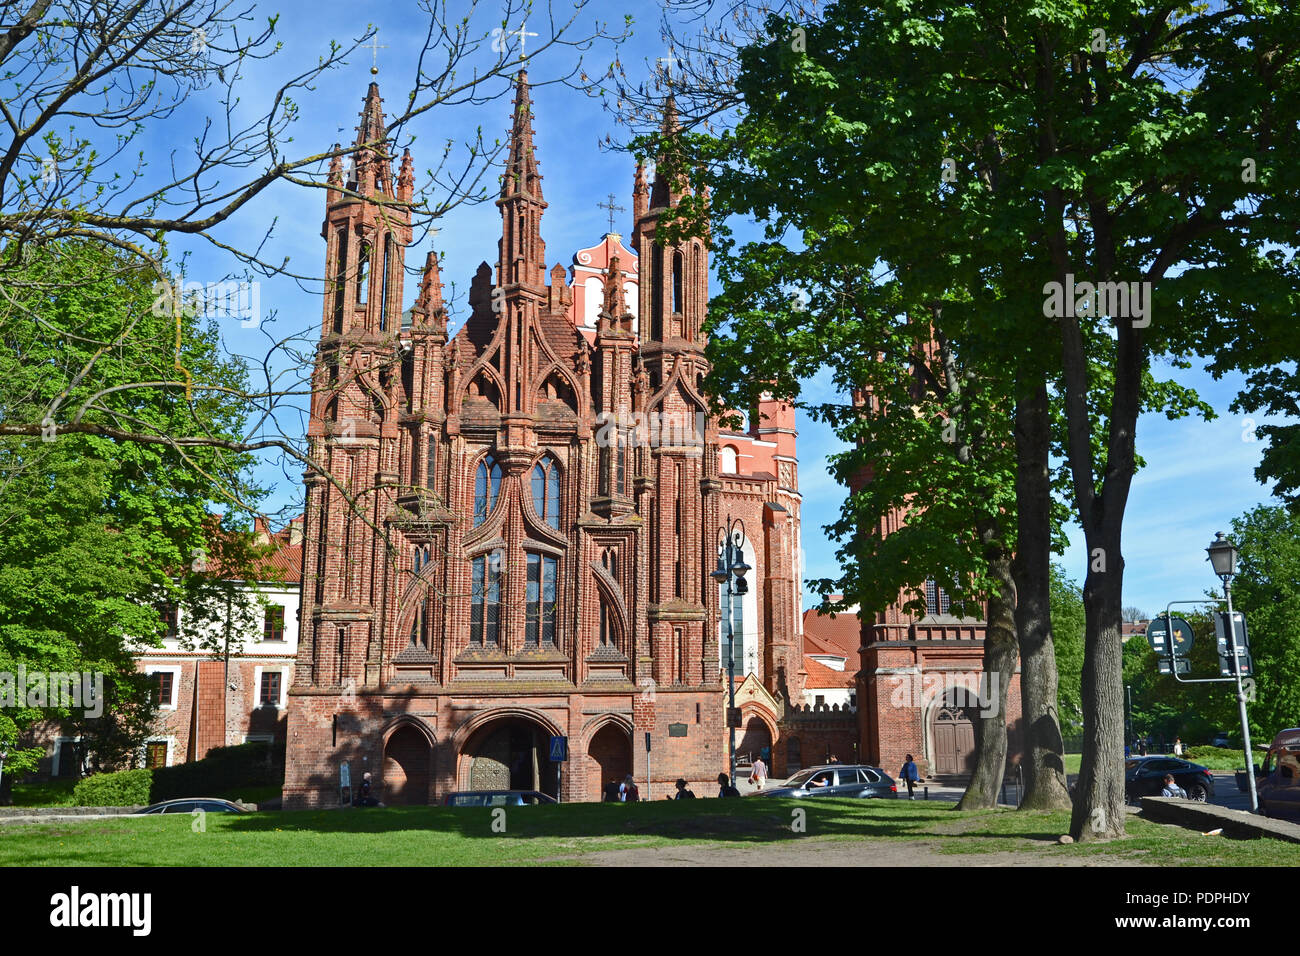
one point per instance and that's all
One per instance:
(559, 749)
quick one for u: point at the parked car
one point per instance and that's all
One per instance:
(835, 780)
(1277, 783)
(1221, 739)
(190, 804)
(1145, 777)
(497, 798)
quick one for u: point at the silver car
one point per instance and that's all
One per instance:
(836, 780)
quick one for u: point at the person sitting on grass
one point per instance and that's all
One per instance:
(682, 792)
(725, 789)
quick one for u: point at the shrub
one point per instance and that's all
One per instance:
(222, 770)
(245, 765)
(125, 788)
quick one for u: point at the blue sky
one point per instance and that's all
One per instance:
(1199, 474)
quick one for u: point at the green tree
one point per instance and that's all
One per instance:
(1267, 590)
(96, 534)
(1068, 626)
(1069, 176)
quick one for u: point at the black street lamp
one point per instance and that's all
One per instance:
(1223, 559)
(731, 575)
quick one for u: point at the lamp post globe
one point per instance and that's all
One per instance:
(1223, 556)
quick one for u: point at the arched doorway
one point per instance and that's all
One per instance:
(610, 751)
(756, 741)
(407, 760)
(954, 740)
(510, 753)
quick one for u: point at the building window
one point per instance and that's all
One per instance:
(677, 282)
(363, 273)
(540, 617)
(155, 754)
(485, 601)
(273, 623)
(169, 614)
(269, 693)
(420, 558)
(730, 457)
(418, 628)
(936, 598)
(606, 625)
(71, 755)
(546, 491)
(487, 484)
(164, 684)
(388, 265)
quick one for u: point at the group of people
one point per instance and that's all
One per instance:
(1142, 746)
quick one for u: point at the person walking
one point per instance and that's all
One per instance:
(1178, 746)
(758, 775)
(725, 789)
(682, 792)
(910, 776)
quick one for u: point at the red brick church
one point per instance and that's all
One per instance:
(511, 535)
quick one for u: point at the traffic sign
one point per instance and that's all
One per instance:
(559, 749)
(1180, 665)
(733, 717)
(1170, 635)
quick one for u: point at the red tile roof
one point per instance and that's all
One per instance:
(821, 677)
(842, 632)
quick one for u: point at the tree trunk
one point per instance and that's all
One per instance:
(1099, 800)
(989, 714)
(1044, 749)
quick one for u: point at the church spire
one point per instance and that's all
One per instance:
(373, 169)
(521, 249)
(669, 184)
(521, 174)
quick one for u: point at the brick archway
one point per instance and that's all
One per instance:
(609, 755)
(408, 766)
(506, 750)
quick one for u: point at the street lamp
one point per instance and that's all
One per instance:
(1223, 559)
(731, 576)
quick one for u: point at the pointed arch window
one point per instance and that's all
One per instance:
(487, 485)
(546, 491)
(606, 624)
(540, 617)
(485, 600)
(677, 281)
(363, 273)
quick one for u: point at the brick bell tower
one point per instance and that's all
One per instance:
(679, 469)
(354, 434)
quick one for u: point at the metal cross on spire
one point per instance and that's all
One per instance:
(612, 208)
(522, 32)
(374, 46)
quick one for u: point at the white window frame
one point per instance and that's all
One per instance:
(171, 749)
(58, 752)
(257, 685)
(175, 671)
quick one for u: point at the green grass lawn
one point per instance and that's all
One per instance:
(535, 835)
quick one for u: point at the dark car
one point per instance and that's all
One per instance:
(1145, 777)
(836, 780)
(497, 798)
(1278, 782)
(190, 804)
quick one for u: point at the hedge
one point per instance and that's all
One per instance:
(245, 765)
(126, 788)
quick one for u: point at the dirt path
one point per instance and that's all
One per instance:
(814, 852)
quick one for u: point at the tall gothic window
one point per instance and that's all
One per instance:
(485, 601)
(363, 273)
(383, 283)
(487, 484)
(546, 491)
(540, 618)
(677, 282)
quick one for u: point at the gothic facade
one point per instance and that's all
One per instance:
(510, 535)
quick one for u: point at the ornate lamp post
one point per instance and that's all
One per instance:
(1223, 558)
(731, 575)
